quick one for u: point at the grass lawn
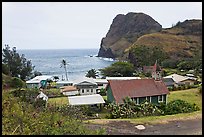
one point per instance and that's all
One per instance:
(190, 95)
(58, 101)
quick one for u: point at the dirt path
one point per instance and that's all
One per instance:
(182, 127)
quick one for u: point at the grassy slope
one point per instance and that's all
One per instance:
(190, 95)
(58, 101)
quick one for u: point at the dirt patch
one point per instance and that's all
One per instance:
(179, 127)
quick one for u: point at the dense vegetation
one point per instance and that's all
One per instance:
(22, 114)
(118, 69)
(14, 64)
(129, 109)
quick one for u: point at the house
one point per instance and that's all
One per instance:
(63, 83)
(182, 80)
(69, 90)
(139, 90)
(152, 69)
(38, 81)
(86, 100)
(169, 82)
(101, 83)
(86, 86)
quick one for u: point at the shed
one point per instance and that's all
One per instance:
(86, 100)
(69, 90)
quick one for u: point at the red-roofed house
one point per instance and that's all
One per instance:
(139, 90)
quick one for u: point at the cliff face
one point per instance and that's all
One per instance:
(124, 31)
(181, 41)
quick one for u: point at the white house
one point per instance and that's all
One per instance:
(69, 90)
(63, 83)
(182, 80)
(86, 86)
(102, 83)
(38, 81)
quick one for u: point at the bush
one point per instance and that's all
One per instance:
(17, 83)
(180, 106)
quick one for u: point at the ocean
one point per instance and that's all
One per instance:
(79, 61)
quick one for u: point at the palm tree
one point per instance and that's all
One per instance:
(91, 73)
(64, 64)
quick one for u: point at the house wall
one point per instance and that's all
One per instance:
(70, 93)
(188, 82)
(87, 91)
(32, 85)
(110, 97)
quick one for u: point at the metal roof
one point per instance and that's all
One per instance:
(37, 79)
(63, 82)
(86, 99)
(136, 88)
(122, 78)
(178, 78)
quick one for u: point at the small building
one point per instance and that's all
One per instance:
(63, 83)
(182, 80)
(69, 90)
(169, 82)
(154, 70)
(86, 100)
(101, 83)
(38, 81)
(43, 96)
(139, 90)
(86, 86)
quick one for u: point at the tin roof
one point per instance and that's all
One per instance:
(69, 88)
(136, 88)
(122, 78)
(178, 78)
(37, 79)
(86, 99)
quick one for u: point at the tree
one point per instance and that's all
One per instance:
(64, 64)
(91, 73)
(118, 69)
(18, 66)
(56, 78)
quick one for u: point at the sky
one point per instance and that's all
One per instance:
(79, 25)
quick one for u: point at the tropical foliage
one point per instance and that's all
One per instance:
(22, 115)
(14, 64)
(118, 69)
(129, 109)
(92, 73)
(64, 65)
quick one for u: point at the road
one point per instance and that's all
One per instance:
(182, 127)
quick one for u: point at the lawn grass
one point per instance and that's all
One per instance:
(190, 95)
(58, 101)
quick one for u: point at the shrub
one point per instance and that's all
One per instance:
(180, 106)
(17, 83)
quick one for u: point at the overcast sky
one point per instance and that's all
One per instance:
(79, 25)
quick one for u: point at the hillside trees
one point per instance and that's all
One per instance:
(118, 69)
(146, 55)
(16, 65)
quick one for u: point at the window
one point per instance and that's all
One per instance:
(82, 90)
(160, 98)
(87, 90)
(91, 90)
(148, 99)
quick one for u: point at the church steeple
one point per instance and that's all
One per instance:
(156, 73)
